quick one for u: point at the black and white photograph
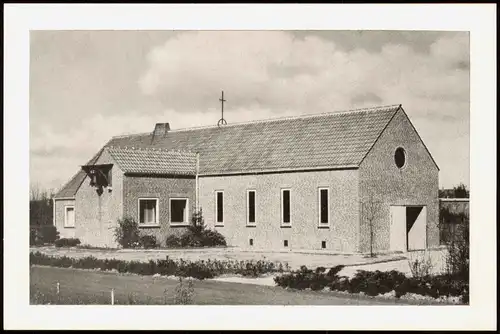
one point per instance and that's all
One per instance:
(182, 167)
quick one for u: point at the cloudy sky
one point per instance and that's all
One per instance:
(86, 86)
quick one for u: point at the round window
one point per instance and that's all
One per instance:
(400, 157)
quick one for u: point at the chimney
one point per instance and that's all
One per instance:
(161, 129)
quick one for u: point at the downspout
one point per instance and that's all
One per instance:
(197, 194)
(53, 211)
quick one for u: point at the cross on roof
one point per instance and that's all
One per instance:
(222, 121)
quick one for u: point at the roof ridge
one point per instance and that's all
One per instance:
(131, 148)
(302, 116)
(275, 119)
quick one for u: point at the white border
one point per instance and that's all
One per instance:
(479, 19)
(320, 224)
(216, 210)
(157, 213)
(66, 207)
(186, 212)
(252, 224)
(283, 224)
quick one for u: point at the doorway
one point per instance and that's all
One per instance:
(408, 229)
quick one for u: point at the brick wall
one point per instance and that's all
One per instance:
(163, 188)
(96, 215)
(304, 232)
(415, 184)
(64, 232)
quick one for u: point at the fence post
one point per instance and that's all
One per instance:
(57, 285)
(112, 296)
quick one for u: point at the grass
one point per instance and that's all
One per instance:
(80, 287)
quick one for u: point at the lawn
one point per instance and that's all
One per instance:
(94, 287)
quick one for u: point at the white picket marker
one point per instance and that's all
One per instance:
(57, 287)
(112, 296)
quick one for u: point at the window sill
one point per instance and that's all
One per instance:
(252, 225)
(149, 226)
(286, 226)
(323, 226)
(179, 224)
(219, 225)
(68, 226)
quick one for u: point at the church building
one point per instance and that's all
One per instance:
(341, 182)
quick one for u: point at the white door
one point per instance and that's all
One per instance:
(417, 235)
(398, 228)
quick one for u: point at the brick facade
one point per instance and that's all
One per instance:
(303, 232)
(163, 188)
(414, 184)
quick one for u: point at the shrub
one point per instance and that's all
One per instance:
(457, 258)
(127, 232)
(197, 235)
(43, 234)
(173, 241)
(148, 241)
(184, 292)
(67, 242)
(420, 264)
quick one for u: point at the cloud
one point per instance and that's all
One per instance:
(263, 74)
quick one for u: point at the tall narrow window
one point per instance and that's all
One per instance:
(323, 207)
(285, 206)
(251, 207)
(148, 211)
(69, 216)
(219, 207)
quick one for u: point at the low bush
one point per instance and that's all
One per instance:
(67, 242)
(182, 268)
(374, 283)
(184, 292)
(127, 232)
(196, 235)
(43, 234)
(148, 241)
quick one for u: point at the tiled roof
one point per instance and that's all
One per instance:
(313, 141)
(153, 161)
(331, 140)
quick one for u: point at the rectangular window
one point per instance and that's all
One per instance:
(285, 206)
(69, 216)
(219, 207)
(179, 211)
(148, 211)
(251, 207)
(324, 207)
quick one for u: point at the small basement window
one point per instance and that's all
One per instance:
(323, 244)
(179, 211)
(251, 242)
(400, 157)
(69, 216)
(285, 243)
(148, 211)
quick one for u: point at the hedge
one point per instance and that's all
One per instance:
(197, 269)
(374, 283)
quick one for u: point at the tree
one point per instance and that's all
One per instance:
(461, 191)
(370, 210)
(40, 205)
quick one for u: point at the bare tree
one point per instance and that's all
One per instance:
(370, 211)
